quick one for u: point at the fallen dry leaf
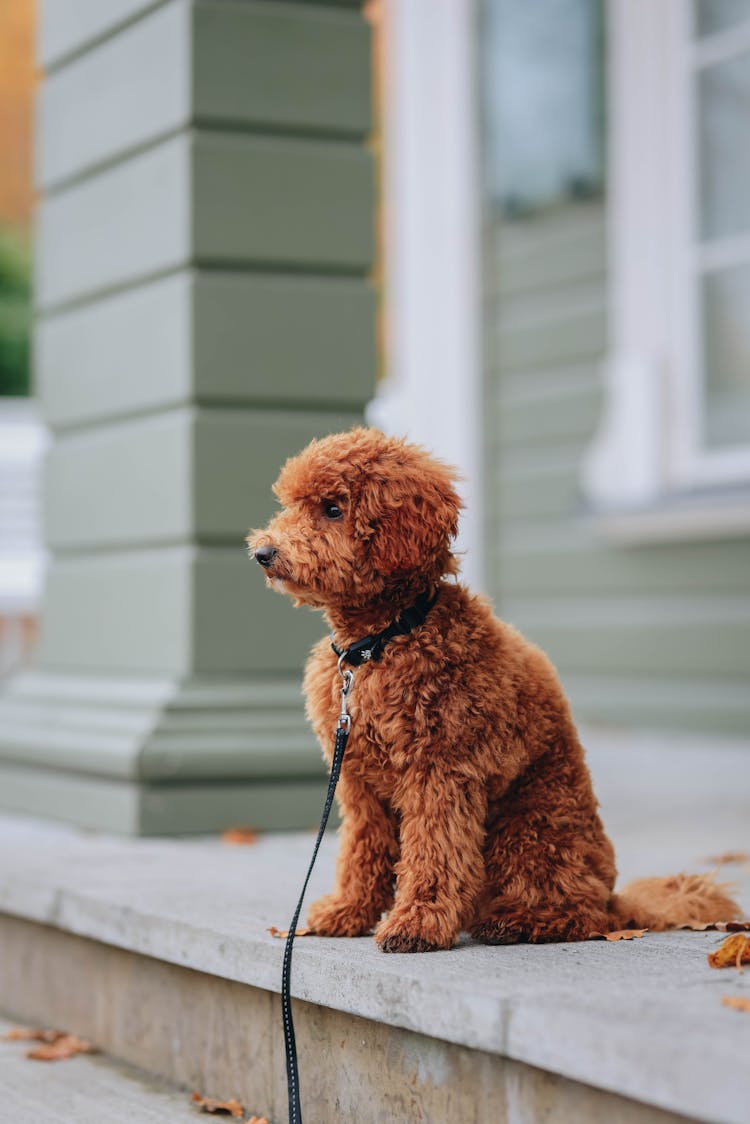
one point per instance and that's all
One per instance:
(618, 935)
(728, 858)
(738, 1002)
(66, 1046)
(733, 952)
(257, 1120)
(32, 1034)
(717, 926)
(218, 1108)
(284, 933)
(244, 835)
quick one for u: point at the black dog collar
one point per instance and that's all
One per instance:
(371, 647)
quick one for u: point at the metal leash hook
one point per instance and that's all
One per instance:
(347, 682)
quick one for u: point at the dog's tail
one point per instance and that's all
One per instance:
(671, 903)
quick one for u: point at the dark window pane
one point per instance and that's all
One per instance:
(724, 147)
(543, 101)
(716, 15)
(726, 328)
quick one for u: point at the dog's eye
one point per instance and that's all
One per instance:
(332, 511)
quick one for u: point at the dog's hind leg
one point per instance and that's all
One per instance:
(544, 886)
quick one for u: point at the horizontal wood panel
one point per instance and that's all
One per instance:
(671, 636)
(121, 484)
(81, 249)
(128, 90)
(520, 236)
(211, 336)
(524, 310)
(129, 352)
(68, 26)
(262, 66)
(581, 564)
(550, 491)
(565, 339)
(282, 66)
(543, 387)
(219, 198)
(568, 257)
(174, 476)
(287, 339)
(72, 26)
(292, 203)
(123, 612)
(712, 705)
(569, 417)
(174, 610)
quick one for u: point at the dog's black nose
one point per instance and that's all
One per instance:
(265, 555)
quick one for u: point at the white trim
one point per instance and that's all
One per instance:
(624, 465)
(690, 462)
(433, 389)
(696, 521)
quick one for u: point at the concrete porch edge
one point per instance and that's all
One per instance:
(642, 1019)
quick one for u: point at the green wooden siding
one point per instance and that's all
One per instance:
(655, 635)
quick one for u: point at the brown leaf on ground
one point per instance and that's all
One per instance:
(718, 926)
(66, 1046)
(218, 1108)
(257, 1120)
(243, 835)
(284, 933)
(728, 858)
(731, 953)
(32, 1034)
(737, 1002)
(618, 935)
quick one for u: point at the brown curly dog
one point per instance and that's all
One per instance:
(465, 797)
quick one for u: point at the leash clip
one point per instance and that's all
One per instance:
(347, 680)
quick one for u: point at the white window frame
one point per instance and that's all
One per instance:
(647, 453)
(692, 463)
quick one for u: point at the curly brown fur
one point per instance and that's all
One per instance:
(465, 797)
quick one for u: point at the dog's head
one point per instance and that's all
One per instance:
(365, 517)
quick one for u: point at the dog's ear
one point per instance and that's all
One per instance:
(409, 514)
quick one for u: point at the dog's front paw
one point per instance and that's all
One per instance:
(416, 929)
(333, 916)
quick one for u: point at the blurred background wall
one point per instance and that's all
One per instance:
(517, 233)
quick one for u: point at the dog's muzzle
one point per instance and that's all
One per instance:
(265, 555)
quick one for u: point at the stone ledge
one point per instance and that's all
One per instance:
(642, 1019)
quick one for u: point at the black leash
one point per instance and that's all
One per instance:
(369, 648)
(342, 736)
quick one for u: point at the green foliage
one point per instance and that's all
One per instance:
(15, 313)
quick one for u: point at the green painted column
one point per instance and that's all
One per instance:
(205, 233)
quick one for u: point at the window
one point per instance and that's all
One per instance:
(712, 439)
(676, 422)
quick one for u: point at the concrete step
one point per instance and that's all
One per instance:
(87, 1089)
(158, 951)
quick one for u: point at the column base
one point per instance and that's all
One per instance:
(154, 756)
